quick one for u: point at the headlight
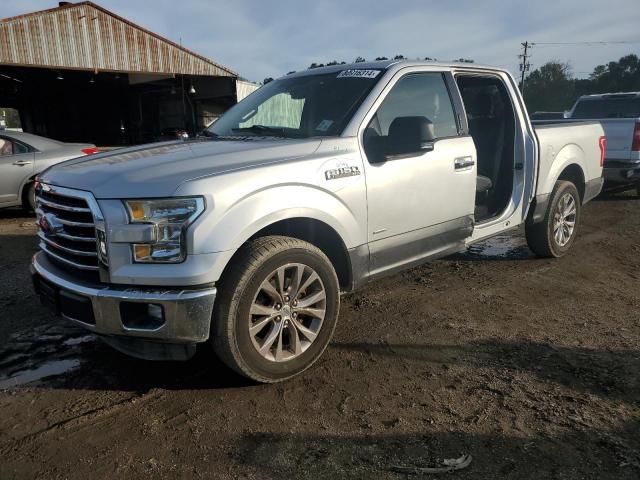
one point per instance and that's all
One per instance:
(170, 217)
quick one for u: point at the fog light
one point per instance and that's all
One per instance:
(155, 311)
(142, 316)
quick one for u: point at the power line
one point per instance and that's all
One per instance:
(586, 43)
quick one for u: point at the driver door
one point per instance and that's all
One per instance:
(16, 165)
(420, 203)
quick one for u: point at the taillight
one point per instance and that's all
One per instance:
(635, 146)
(90, 150)
(603, 149)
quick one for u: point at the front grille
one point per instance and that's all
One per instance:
(67, 229)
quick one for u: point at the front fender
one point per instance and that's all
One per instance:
(228, 229)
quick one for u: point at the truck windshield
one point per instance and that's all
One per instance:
(622, 107)
(298, 107)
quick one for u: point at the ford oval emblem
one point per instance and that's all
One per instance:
(49, 224)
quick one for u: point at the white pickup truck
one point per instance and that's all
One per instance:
(313, 185)
(619, 114)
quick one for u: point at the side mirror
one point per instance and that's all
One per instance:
(409, 136)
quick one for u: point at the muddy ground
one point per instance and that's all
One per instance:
(531, 366)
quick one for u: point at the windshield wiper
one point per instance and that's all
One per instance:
(262, 130)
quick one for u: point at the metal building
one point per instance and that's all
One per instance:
(78, 72)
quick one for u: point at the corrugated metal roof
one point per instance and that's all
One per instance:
(86, 36)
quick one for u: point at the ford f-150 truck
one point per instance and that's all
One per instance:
(619, 114)
(315, 184)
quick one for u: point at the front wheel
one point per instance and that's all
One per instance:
(29, 198)
(276, 309)
(555, 234)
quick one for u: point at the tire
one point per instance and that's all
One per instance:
(542, 237)
(245, 298)
(29, 197)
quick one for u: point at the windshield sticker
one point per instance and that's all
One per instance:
(358, 74)
(324, 125)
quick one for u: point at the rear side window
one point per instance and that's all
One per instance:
(6, 147)
(10, 147)
(623, 107)
(418, 94)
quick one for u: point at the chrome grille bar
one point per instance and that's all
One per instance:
(44, 248)
(59, 206)
(67, 227)
(80, 253)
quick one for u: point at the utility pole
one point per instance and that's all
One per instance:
(524, 64)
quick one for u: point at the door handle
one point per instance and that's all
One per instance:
(22, 162)
(463, 163)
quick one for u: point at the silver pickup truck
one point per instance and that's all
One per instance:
(619, 114)
(315, 184)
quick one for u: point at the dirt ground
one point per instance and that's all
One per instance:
(528, 365)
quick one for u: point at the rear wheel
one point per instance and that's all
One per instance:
(276, 309)
(555, 234)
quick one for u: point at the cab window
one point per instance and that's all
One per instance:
(419, 94)
(417, 109)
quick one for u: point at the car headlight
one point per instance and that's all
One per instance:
(170, 217)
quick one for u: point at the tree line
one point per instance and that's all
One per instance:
(553, 88)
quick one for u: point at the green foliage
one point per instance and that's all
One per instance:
(620, 76)
(549, 88)
(11, 117)
(552, 87)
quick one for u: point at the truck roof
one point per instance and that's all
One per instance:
(611, 95)
(385, 64)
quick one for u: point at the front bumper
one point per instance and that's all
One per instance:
(114, 312)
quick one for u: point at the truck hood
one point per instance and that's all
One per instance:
(157, 170)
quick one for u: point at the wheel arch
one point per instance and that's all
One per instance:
(24, 188)
(568, 164)
(574, 174)
(316, 232)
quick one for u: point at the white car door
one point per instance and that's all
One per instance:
(16, 165)
(420, 203)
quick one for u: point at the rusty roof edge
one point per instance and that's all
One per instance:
(128, 22)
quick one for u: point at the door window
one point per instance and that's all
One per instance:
(418, 104)
(9, 147)
(6, 147)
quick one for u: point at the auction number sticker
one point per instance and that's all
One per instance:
(358, 74)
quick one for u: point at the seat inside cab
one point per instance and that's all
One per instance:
(491, 121)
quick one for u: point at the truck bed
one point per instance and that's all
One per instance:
(564, 143)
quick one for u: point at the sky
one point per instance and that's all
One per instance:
(260, 39)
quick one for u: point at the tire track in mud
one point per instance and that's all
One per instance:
(80, 420)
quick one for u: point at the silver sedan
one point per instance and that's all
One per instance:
(23, 156)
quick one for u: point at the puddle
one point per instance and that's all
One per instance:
(47, 369)
(501, 246)
(40, 354)
(78, 340)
